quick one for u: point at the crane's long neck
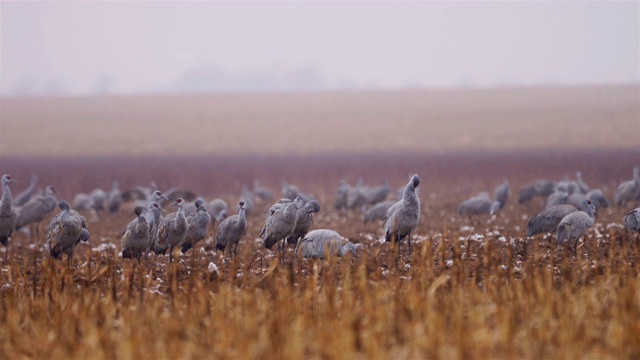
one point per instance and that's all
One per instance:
(242, 217)
(409, 197)
(32, 185)
(180, 214)
(7, 199)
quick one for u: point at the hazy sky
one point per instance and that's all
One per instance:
(128, 47)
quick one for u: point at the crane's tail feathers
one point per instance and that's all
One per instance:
(55, 252)
(291, 240)
(4, 240)
(127, 254)
(186, 247)
(269, 242)
(220, 247)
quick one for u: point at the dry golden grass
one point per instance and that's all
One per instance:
(335, 122)
(474, 288)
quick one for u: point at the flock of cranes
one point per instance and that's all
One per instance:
(571, 209)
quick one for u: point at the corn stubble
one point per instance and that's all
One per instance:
(455, 299)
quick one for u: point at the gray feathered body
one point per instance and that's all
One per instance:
(632, 220)
(114, 198)
(8, 215)
(66, 230)
(378, 211)
(261, 191)
(231, 230)
(501, 193)
(36, 209)
(198, 225)
(26, 195)
(557, 198)
(377, 194)
(478, 205)
(574, 225)
(135, 236)
(402, 218)
(598, 198)
(218, 210)
(280, 223)
(304, 221)
(548, 219)
(317, 243)
(628, 190)
(172, 231)
(356, 196)
(341, 195)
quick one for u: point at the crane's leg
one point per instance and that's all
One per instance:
(410, 246)
(235, 250)
(575, 246)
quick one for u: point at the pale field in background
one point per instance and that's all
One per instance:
(333, 122)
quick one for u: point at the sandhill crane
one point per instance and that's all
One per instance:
(403, 217)
(566, 185)
(262, 191)
(172, 230)
(632, 220)
(576, 198)
(192, 207)
(8, 213)
(114, 198)
(628, 190)
(140, 193)
(574, 225)
(501, 193)
(231, 230)
(290, 191)
(355, 196)
(82, 202)
(341, 195)
(135, 236)
(33, 212)
(26, 195)
(99, 198)
(318, 243)
(478, 205)
(280, 223)
(66, 230)
(154, 216)
(377, 194)
(378, 211)
(582, 186)
(304, 221)
(538, 188)
(598, 198)
(218, 210)
(198, 224)
(557, 198)
(548, 219)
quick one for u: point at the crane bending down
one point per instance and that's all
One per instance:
(403, 217)
(574, 225)
(319, 243)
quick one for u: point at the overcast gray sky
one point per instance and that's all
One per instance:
(131, 47)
